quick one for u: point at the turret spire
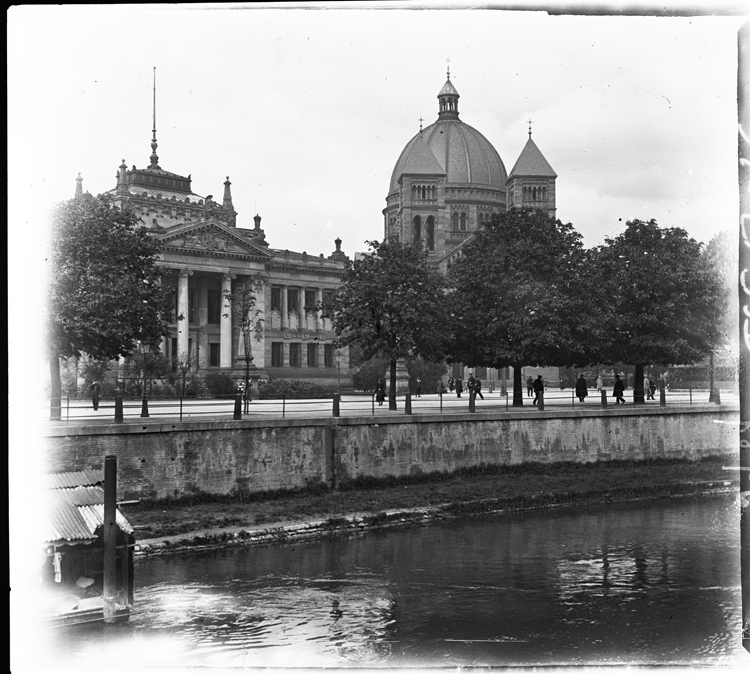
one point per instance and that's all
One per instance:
(154, 157)
(529, 128)
(79, 186)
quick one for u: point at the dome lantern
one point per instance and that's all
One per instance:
(448, 98)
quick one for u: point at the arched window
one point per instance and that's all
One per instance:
(455, 221)
(430, 233)
(463, 222)
(417, 228)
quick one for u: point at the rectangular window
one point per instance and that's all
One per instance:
(292, 300)
(294, 355)
(309, 301)
(277, 354)
(328, 355)
(275, 299)
(327, 301)
(312, 355)
(214, 351)
(214, 306)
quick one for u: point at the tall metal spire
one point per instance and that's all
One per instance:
(154, 157)
(529, 128)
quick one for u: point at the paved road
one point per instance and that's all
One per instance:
(80, 412)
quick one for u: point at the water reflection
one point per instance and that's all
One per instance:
(636, 584)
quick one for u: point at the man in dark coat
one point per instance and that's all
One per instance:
(529, 387)
(581, 389)
(478, 388)
(619, 390)
(380, 391)
(538, 387)
(96, 392)
(459, 387)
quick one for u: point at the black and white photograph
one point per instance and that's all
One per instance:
(379, 335)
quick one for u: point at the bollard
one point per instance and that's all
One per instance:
(472, 402)
(336, 404)
(540, 404)
(604, 398)
(407, 404)
(144, 406)
(119, 417)
(237, 407)
(717, 397)
(441, 403)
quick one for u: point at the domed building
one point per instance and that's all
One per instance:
(449, 180)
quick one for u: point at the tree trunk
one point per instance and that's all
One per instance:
(55, 399)
(392, 387)
(638, 384)
(517, 386)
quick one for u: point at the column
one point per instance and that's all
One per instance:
(225, 323)
(284, 308)
(183, 309)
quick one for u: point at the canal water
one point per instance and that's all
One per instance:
(654, 582)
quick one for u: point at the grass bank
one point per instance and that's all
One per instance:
(377, 501)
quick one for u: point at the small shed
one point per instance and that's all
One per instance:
(74, 549)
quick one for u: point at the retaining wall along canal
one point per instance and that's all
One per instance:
(176, 459)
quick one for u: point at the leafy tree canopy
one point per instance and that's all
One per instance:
(522, 295)
(391, 304)
(105, 288)
(663, 292)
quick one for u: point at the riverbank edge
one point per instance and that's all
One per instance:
(358, 523)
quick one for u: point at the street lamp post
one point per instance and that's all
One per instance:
(338, 371)
(144, 349)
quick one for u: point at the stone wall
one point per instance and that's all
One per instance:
(160, 460)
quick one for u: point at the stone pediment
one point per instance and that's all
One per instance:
(210, 237)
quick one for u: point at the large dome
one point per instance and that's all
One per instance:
(451, 147)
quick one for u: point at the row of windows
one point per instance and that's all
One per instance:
(295, 354)
(535, 194)
(293, 296)
(425, 192)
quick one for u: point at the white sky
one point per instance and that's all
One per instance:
(307, 111)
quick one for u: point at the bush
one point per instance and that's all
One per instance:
(290, 388)
(219, 384)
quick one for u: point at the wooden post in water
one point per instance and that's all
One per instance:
(110, 538)
(743, 100)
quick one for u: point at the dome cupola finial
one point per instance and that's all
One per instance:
(154, 157)
(448, 98)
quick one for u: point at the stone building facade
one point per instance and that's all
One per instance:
(205, 256)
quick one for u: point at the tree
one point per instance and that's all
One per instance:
(391, 304)
(523, 295)
(105, 290)
(247, 317)
(663, 295)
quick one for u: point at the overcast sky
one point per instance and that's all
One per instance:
(307, 111)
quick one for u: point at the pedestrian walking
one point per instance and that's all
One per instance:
(459, 387)
(651, 389)
(451, 384)
(478, 388)
(529, 387)
(418, 387)
(599, 384)
(440, 388)
(618, 391)
(380, 391)
(538, 388)
(96, 392)
(581, 388)
(647, 388)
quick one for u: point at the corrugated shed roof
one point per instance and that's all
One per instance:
(74, 479)
(75, 508)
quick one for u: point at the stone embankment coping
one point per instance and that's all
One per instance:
(356, 523)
